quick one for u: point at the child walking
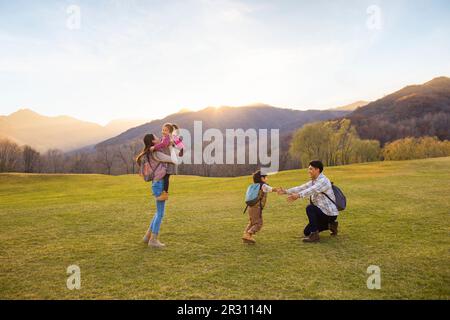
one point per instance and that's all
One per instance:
(256, 205)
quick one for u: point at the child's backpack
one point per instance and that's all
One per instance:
(253, 195)
(149, 172)
(341, 200)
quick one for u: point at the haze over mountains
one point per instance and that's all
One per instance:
(352, 106)
(62, 132)
(254, 116)
(415, 110)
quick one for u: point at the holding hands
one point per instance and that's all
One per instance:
(291, 198)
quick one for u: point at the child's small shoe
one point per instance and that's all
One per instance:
(163, 197)
(248, 238)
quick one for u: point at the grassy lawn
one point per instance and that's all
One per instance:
(398, 218)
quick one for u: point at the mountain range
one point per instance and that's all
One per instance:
(415, 110)
(253, 116)
(26, 127)
(352, 106)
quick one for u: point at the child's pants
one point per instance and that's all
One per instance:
(256, 221)
(166, 182)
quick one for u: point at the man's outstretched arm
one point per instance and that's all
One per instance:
(318, 187)
(299, 188)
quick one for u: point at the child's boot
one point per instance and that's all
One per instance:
(248, 238)
(163, 197)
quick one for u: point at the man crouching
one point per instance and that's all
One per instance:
(322, 212)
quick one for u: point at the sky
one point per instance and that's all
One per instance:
(109, 59)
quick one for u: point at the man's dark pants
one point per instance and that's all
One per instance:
(318, 221)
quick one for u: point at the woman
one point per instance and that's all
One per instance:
(151, 237)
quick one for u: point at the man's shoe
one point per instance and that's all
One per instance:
(333, 226)
(313, 237)
(248, 238)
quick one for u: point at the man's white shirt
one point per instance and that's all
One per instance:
(314, 189)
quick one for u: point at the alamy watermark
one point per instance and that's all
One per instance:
(374, 280)
(374, 20)
(73, 21)
(234, 146)
(74, 280)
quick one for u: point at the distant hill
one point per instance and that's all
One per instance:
(415, 110)
(352, 106)
(62, 132)
(254, 116)
(120, 125)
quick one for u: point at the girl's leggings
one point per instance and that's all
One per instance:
(166, 182)
(157, 188)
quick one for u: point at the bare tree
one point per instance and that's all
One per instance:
(31, 159)
(55, 160)
(105, 158)
(80, 163)
(136, 148)
(9, 155)
(125, 154)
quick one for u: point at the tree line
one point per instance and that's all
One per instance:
(416, 148)
(338, 143)
(334, 142)
(106, 160)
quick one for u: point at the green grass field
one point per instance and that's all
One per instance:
(398, 218)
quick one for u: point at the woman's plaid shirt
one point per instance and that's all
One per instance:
(314, 189)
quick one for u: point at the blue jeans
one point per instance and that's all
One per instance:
(157, 188)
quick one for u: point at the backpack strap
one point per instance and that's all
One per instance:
(261, 196)
(329, 198)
